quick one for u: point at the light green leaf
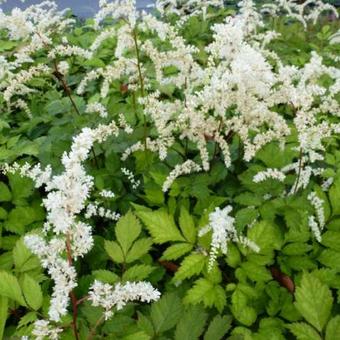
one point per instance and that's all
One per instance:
(256, 272)
(314, 301)
(3, 314)
(166, 312)
(24, 260)
(218, 327)
(127, 230)
(138, 249)
(240, 309)
(138, 272)
(266, 235)
(190, 266)
(9, 287)
(137, 336)
(303, 331)
(187, 225)
(333, 328)
(161, 226)
(191, 325)
(207, 292)
(5, 194)
(105, 276)
(334, 196)
(27, 319)
(114, 251)
(32, 292)
(176, 251)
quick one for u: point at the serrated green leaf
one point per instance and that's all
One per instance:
(303, 331)
(191, 325)
(256, 272)
(138, 272)
(334, 196)
(5, 194)
(114, 251)
(331, 239)
(187, 225)
(218, 327)
(24, 260)
(9, 287)
(166, 312)
(161, 226)
(333, 328)
(3, 314)
(145, 324)
(266, 235)
(32, 292)
(190, 266)
(137, 336)
(330, 258)
(127, 230)
(207, 292)
(240, 309)
(105, 276)
(314, 301)
(138, 249)
(176, 251)
(21, 187)
(27, 318)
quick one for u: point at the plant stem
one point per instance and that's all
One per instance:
(72, 295)
(141, 79)
(93, 330)
(299, 173)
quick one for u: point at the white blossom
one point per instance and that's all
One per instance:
(109, 297)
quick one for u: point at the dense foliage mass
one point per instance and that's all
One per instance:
(173, 175)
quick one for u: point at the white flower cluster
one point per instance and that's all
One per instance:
(107, 193)
(135, 183)
(109, 297)
(43, 329)
(94, 209)
(223, 231)
(269, 173)
(187, 167)
(98, 108)
(316, 224)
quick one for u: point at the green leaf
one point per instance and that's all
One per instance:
(5, 194)
(9, 287)
(114, 251)
(27, 319)
(32, 292)
(331, 239)
(330, 258)
(266, 235)
(218, 327)
(191, 325)
(137, 336)
(314, 301)
(3, 314)
(333, 328)
(138, 249)
(127, 230)
(18, 218)
(138, 272)
(187, 225)
(161, 226)
(21, 187)
(256, 272)
(303, 331)
(207, 292)
(334, 196)
(145, 324)
(240, 309)
(105, 276)
(177, 250)
(166, 312)
(190, 266)
(24, 260)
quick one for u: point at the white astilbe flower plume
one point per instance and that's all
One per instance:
(223, 231)
(109, 297)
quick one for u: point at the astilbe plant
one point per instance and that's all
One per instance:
(235, 96)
